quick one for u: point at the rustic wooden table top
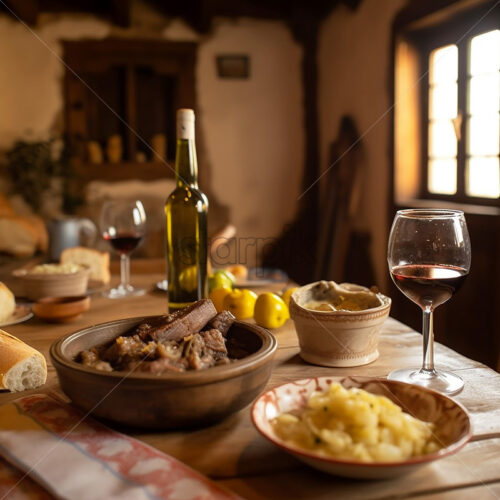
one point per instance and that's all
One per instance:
(236, 456)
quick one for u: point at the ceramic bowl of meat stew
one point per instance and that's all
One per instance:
(171, 400)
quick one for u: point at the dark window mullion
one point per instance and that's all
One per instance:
(463, 70)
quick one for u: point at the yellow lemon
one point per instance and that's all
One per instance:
(217, 297)
(189, 279)
(270, 310)
(287, 294)
(241, 303)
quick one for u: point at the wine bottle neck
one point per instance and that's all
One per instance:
(186, 165)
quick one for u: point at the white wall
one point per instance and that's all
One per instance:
(253, 128)
(354, 64)
(31, 74)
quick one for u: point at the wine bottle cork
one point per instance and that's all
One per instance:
(185, 124)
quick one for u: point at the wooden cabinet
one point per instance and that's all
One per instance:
(129, 89)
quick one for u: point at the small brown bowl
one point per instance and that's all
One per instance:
(169, 401)
(37, 286)
(61, 309)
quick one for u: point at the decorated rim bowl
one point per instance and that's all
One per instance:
(452, 423)
(338, 338)
(169, 401)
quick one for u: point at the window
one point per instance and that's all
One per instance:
(477, 126)
(447, 106)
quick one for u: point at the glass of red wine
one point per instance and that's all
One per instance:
(429, 257)
(123, 224)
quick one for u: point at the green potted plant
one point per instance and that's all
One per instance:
(32, 168)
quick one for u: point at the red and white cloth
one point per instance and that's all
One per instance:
(53, 447)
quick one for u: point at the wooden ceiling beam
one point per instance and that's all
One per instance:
(26, 10)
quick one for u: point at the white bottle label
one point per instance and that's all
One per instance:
(185, 124)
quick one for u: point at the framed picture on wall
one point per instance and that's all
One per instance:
(233, 66)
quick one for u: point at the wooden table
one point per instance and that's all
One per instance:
(236, 456)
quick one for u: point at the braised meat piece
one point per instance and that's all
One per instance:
(222, 322)
(204, 349)
(214, 342)
(126, 349)
(158, 366)
(180, 324)
(91, 358)
(169, 349)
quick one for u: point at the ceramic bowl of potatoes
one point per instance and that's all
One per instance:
(52, 280)
(361, 427)
(187, 369)
(338, 324)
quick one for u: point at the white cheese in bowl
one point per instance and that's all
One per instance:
(56, 269)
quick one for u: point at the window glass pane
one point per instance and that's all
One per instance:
(485, 53)
(484, 93)
(443, 101)
(442, 176)
(442, 139)
(483, 177)
(483, 135)
(443, 64)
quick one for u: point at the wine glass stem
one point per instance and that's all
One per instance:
(428, 334)
(124, 270)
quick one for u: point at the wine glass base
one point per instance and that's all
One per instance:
(443, 382)
(123, 291)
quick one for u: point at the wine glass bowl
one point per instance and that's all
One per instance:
(429, 257)
(123, 224)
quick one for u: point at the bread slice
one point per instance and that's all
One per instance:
(18, 236)
(97, 262)
(7, 302)
(21, 366)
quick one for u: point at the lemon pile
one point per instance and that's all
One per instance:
(269, 310)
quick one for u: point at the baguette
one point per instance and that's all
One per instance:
(7, 302)
(21, 366)
(6, 208)
(18, 236)
(96, 261)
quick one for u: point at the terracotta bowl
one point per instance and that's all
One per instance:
(61, 309)
(176, 400)
(36, 286)
(337, 338)
(453, 429)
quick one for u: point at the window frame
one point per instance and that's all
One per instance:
(450, 32)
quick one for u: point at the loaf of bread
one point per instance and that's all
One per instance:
(22, 236)
(7, 302)
(97, 262)
(6, 209)
(21, 366)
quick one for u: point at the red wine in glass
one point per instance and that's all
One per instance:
(124, 243)
(123, 224)
(429, 257)
(428, 285)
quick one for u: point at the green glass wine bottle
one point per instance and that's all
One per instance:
(186, 217)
